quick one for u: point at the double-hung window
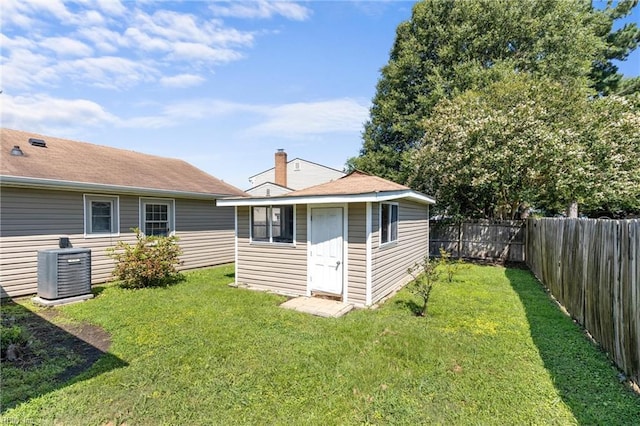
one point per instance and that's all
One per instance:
(157, 216)
(388, 223)
(101, 215)
(272, 224)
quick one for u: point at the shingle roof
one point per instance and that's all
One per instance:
(357, 186)
(72, 161)
(356, 182)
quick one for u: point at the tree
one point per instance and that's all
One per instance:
(525, 141)
(449, 47)
(617, 45)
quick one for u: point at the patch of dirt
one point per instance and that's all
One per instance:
(52, 334)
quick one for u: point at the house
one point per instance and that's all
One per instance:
(352, 238)
(54, 188)
(287, 176)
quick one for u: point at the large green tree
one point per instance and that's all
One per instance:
(449, 47)
(526, 141)
(605, 78)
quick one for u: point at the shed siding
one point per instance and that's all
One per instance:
(276, 267)
(390, 263)
(357, 254)
(32, 220)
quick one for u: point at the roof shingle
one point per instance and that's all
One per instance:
(356, 182)
(72, 161)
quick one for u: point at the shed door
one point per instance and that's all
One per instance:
(326, 249)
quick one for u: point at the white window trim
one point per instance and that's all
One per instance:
(392, 242)
(172, 212)
(271, 242)
(115, 212)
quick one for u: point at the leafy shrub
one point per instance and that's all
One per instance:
(425, 274)
(151, 261)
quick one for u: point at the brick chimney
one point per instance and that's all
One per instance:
(281, 167)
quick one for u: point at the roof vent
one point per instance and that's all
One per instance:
(38, 142)
(16, 151)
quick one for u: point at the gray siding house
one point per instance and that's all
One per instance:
(287, 176)
(93, 195)
(352, 238)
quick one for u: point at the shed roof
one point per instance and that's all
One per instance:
(70, 164)
(357, 186)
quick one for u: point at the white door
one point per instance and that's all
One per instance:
(326, 250)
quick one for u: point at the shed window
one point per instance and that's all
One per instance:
(272, 224)
(101, 215)
(388, 223)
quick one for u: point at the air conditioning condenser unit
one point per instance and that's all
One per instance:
(64, 274)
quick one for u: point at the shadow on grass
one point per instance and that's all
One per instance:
(51, 356)
(410, 305)
(586, 380)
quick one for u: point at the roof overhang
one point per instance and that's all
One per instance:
(328, 199)
(41, 183)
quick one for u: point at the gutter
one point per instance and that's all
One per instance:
(41, 183)
(328, 199)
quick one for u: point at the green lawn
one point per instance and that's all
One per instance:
(493, 350)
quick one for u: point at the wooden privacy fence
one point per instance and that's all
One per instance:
(502, 240)
(593, 268)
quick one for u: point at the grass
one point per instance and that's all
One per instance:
(493, 350)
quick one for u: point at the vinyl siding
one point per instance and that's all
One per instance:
(32, 220)
(309, 174)
(357, 254)
(280, 268)
(390, 262)
(261, 191)
(205, 232)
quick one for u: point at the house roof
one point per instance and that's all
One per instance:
(357, 186)
(293, 161)
(68, 164)
(275, 185)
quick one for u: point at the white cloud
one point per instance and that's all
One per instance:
(202, 53)
(174, 26)
(103, 39)
(261, 9)
(141, 40)
(99, 42)
(24, 68)
(40, 112)
(107, 71)
(309, 118)
(295, 120)
(66, 46)
(181, 80)
(111, 7)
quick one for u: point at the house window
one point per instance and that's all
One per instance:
(272, 224)
(157, 217)
(101, 215)
(388, 223)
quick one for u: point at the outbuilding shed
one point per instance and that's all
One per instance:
(352, 238)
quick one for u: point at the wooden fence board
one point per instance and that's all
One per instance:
(592, 268)
(480, 239)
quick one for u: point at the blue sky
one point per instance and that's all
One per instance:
(221, 85)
